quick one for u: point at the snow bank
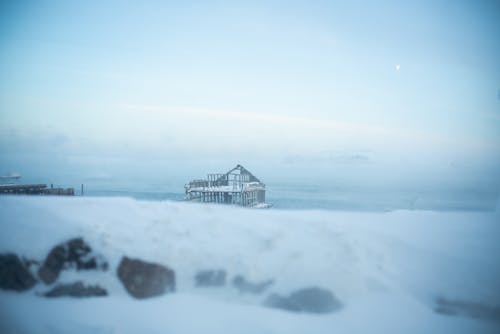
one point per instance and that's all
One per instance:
(388, 269)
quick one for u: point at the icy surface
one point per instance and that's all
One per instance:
(388, 269)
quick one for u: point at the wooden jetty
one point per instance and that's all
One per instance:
(34, 189)
(238, 186)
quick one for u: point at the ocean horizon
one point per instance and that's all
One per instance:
(290, 195)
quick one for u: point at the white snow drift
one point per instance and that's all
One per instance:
(388, 269)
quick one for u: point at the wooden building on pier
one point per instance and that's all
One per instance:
(238, 187)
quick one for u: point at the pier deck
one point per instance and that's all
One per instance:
(34, 189)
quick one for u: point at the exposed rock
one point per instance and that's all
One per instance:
(245, 286)
(13, 274)
(77, 289)
(144, 279)
(210, 278)
(73, 253)
(276, 301)
(312, 300)
(467, 309)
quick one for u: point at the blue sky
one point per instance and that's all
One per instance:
(284, 80)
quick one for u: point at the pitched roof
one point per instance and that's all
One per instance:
(243, 170)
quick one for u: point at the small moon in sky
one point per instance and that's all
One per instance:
(398, 67)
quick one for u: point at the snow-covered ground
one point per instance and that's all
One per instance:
(387, 269)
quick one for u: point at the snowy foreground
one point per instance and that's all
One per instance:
(388, 269)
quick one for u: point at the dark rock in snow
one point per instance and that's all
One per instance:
(13, 274)
(73, 253)
(210, 278)
(77, 289)
(245, 286)
(467, 309)
(312, 300)
(276, 301)
(144, 279)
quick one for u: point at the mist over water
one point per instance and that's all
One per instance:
(308, 185)
(306, 196)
